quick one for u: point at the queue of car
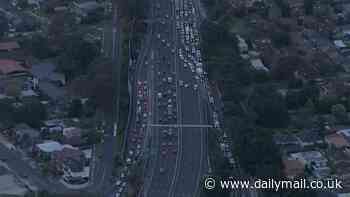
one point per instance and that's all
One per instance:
(189, 52)
(136, 136)
(167, 83)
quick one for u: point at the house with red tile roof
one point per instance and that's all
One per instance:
(8, 67)
(9, 46)
(292, 168)
(337, 140)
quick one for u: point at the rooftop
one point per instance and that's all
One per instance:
(281, 139)
(309, 137)
(88, 6)
(293, 167)
(10, 66)
(46, 71)
(308, 156)
(50, 146)
(8, 46)
(337, 140)
(71, 132)
(345, 132)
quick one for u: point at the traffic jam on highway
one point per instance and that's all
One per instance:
(136, 136)
(191, 55)
(168, 80)
(165, 86)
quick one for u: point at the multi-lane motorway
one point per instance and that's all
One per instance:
(170, 91)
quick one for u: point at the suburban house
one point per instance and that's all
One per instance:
(45, 150)
(86, 9)
(345, 133)
(315, 161)
(11, 68)
(70, 163)
(52, 126)
(341, 164)
(72, 136)
(337, 141)
(309, 138)
(287, 143)
(15, 76)
(292, 168)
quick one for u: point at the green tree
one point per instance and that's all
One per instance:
(4, 27)
(75, 108)
(32, 113)
(6, 112)
(325, 104)
(136, 9)
(339, 112)
(102, 87)
(285, 9)
(93, 137)
(280, 38)
(257, 153)
(76, 57)
(270, 108)
(38, 46)
(309, 6)
(22, 4)
(304, 118)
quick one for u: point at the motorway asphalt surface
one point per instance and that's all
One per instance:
(178, 172)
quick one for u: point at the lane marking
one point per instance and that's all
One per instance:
(182, 125)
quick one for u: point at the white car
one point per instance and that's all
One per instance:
(118, 182)
(181, 83)
(211, 99)
(216, 124)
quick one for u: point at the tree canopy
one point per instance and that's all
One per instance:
(32, 112)
(76, 56)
